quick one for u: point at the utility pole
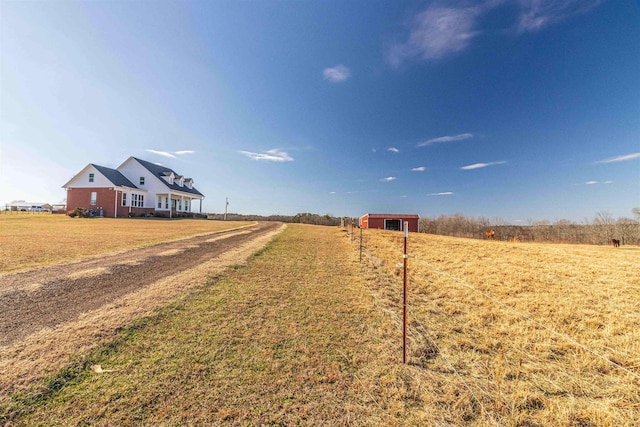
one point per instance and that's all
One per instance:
(225, 208)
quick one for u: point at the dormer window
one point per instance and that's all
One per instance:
(142, 180)
(181, 183)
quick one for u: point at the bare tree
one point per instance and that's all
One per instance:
(605, 226)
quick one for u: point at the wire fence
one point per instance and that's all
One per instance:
(515, 366)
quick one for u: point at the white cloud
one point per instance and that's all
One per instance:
(590, 182)
(445, 193)
(336, 74)
(389, 179)
(535, 15)
(448, 138)
(161, 153)
(273, 155)
(445, 28)
(332, 192)
(171, 154)
(608, 182)
(481, 165)
(393, 149)
(419, 169)
(437, 32)
(622, 158)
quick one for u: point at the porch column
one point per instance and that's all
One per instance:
(115, 203)
(170, 205)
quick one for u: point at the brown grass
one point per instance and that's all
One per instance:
(518, 334)
(288, 340)
(47, 351)
(500, 334)
(30, 241)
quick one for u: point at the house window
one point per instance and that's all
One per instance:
(142, 180)
(186, 205)
(91, 177)
(180, 205)
(94, 198)
(141, 201)
(124, 199)
(159, 202)
(166, 203)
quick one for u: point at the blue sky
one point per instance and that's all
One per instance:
(521, 109)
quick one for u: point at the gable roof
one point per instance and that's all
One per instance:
(115, 176)
(161, 171)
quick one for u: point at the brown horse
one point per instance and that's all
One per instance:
(490, 234)
(615, 243)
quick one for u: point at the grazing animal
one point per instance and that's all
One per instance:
(615, 242)
(490, 234)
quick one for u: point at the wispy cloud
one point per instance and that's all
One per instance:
(161, 153)
(444, 193)
(448, 138)
(336, 74)
(448, 27)
(481, 165)
(419, 169)
(170, 154)
(622, 158)
(393, 149)
(436, 32)
(389, 179)
(536, 15)
(273, 155)
(597, 182)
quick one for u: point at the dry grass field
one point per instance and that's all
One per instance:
(517, 334)
(500, 334)
(30, 241)
(289, 339)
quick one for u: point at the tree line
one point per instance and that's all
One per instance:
(300, 218)
(599, 230)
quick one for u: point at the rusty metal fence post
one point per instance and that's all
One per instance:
(404, 296)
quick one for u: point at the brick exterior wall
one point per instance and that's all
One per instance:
(81, 198)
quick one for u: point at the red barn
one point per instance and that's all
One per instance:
(390, 221)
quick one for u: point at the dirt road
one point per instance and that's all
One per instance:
(40, 307)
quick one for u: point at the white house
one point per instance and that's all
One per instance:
(136, 187)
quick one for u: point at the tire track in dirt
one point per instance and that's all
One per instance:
(50, 296)
(146, 286)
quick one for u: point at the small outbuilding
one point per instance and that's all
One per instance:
(390, 221)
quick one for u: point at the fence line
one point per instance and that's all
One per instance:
(521, 314)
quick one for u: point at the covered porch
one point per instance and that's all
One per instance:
(177, 203)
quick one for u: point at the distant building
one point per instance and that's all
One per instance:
(21, 205)
(390, 221)
(134, 188)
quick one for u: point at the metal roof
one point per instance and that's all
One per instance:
(393, 216)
